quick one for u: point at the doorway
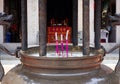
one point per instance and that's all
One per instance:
(108, 9)
(12, 34)
(61, 10)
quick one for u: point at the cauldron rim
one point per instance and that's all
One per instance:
(22, 53)
(85, 62)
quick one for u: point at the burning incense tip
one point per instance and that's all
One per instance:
(67, 34)
(56, 38)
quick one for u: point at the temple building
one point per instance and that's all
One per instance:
(61, 15)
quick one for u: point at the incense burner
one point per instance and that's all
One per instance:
(64, 70)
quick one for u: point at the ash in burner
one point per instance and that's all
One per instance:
(53, 54)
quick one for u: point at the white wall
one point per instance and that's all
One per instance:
(80, 16)
(33, 26)
(80, 21)
(118, 26)
(1, 5)
(118, 6)
(91, 8)
(1, 27)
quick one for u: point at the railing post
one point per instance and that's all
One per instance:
(24, 24)
(97, 23)
(86, 49)
(42, 27)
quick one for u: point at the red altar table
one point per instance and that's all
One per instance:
(60, 30)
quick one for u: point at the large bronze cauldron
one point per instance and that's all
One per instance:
(54, 70)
